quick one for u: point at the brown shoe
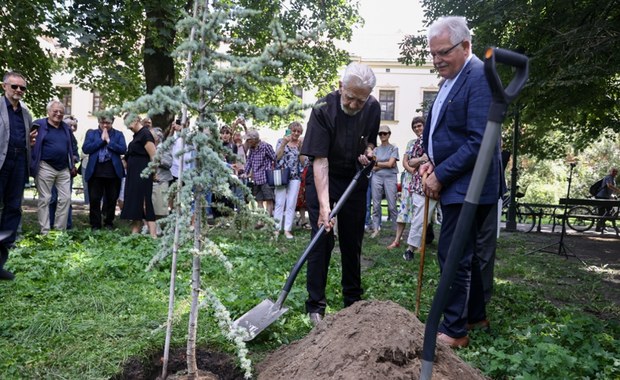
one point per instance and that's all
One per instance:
(315, 318)
(453, 342)
(483, 325)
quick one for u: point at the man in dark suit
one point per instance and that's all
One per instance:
(452, 138)
(15, 141)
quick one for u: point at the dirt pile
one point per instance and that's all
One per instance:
(368, 340)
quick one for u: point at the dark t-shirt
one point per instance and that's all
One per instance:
(137, 145)
(55, 149)
(605, 192)
(341, 138)
(17, 133)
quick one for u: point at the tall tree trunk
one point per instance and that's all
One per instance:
(159, 36)
(192, 365)
(175, 248)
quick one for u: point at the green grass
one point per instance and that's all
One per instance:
(83, 303)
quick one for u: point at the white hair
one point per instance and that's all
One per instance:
(456, 26)
(359, 75)
(51, 104)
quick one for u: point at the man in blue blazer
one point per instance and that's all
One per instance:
(15, 142)
(104, 171)
(452, 137)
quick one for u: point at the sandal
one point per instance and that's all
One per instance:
(395, 244)
(306, 226)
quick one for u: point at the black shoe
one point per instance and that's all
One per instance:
(6, 275)
(408, 255)
(430, 234)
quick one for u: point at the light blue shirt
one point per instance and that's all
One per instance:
(439, 100)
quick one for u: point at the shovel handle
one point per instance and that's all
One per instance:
(503, 96)
(319, 234)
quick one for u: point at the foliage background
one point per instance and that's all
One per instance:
(573, 94)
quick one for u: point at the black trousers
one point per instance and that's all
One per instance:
(108, 190)
(603, 211)
(350, 235)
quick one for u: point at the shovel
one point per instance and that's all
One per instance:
(497, 113)
(265, 313)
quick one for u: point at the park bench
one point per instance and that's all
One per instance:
(585, 212)
(546, 210)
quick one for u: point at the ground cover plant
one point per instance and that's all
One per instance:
(83, 304)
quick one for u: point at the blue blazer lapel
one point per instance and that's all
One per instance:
(455, 90)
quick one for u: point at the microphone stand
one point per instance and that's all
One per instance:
(562, 249)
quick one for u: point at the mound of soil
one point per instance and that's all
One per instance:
(368, 340)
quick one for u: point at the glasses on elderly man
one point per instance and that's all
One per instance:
(16, 86)
(445, 52)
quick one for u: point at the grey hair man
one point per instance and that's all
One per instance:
(338, 132)
(451, 138)
(15, 142)
(52, 161)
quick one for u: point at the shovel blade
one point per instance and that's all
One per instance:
(259, 318)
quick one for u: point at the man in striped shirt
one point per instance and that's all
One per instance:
(260, 158)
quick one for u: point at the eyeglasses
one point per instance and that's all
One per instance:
(15, 87)
(445, 52)
(383, 133)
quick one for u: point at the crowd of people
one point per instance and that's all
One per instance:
(343, 135)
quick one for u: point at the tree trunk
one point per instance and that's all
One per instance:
(199, 202)
(192, 365)
(159, 69)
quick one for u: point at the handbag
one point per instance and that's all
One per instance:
(278, 177)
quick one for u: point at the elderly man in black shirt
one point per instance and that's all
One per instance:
(337, 135)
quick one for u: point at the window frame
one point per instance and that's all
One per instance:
(384, 104)
(65, 95)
